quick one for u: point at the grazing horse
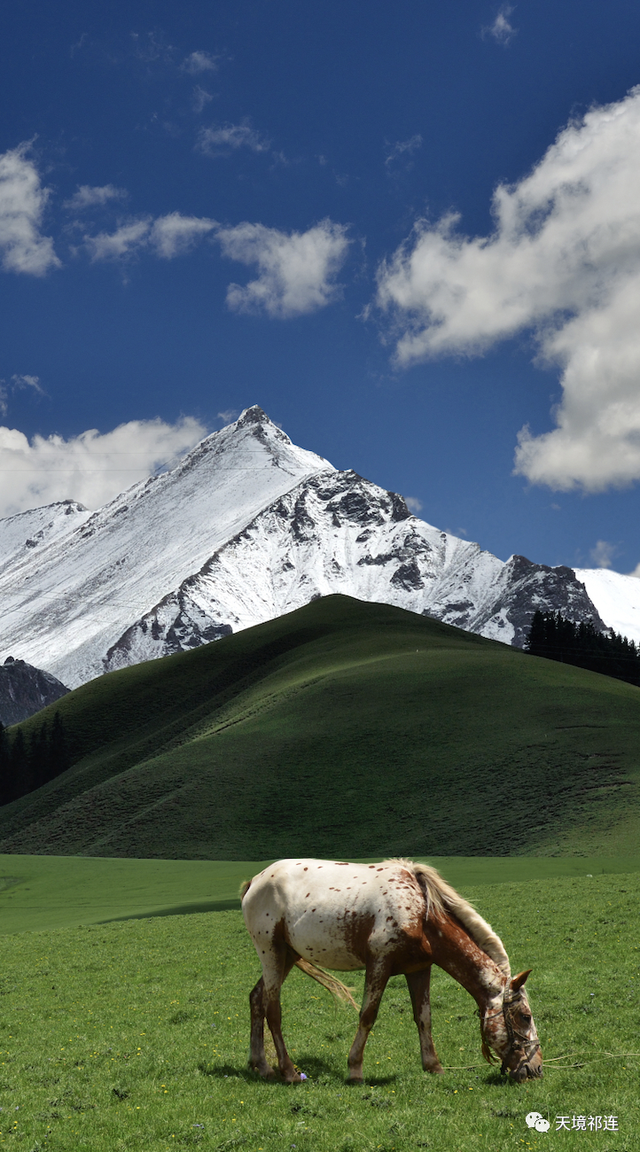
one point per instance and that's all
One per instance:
(392, 918)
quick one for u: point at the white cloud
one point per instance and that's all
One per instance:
(414, 505)
(501, 29)
(18, 383)
(22, 205)
(90, 197)
(200, 98)
(174, 234)
(92, 467)
(24, 381)
(603, 553)
(218, 141)
(402, 147)
(297, 270)
(121, 243)
(564, 261)
(166, 236)
(200, 62)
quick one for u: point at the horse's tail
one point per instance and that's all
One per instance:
(337, 989)
(244, 888)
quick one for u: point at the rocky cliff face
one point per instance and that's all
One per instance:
(24, 690)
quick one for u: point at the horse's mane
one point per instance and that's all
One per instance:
(441, 896)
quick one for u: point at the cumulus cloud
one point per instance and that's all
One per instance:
(563, 261)
(501, 29)
(92, 467)
(413, 504)
(230, 137)
(200, 62)
(91, 197)
(174, 234)
(297, 270)
(166, 236)
(603, 553)
(117, 245)
(22, 204)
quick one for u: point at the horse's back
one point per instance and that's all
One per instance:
(330, 912)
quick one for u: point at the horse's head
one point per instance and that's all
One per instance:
(510, 1031)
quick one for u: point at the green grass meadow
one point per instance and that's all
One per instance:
(133, 1034)
(343, 728)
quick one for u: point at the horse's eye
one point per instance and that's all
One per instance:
(526, 1018)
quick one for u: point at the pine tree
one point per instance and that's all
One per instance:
(5, 778)
(18, 766)
(556, 638)
(59, 759)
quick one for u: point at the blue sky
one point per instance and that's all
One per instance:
(409, 231)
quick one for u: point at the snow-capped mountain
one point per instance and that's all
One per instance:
(67, 599)
(245, 528)
(336, 532)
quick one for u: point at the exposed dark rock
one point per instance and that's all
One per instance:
(525, 587)
(399, 510)
(408, 576)
(24, 690)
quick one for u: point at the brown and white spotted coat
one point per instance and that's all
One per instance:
(389, 918)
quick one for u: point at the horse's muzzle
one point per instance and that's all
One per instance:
(528, 1070)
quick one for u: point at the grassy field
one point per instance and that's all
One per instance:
(44, 892)
(344, 727)
(133, 1036)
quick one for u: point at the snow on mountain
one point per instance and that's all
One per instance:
(617, 598)
(66, 601)
(336, 532)
(245, 528)
(38, 526)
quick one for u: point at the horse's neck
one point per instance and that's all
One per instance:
(457, 952)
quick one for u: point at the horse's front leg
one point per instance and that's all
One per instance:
(376, 981)
(419, 991)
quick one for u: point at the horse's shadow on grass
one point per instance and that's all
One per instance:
(316, 1070)
(227, 1072)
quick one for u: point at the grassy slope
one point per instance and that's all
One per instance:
(348, 728)
(134, 1036)
(44, 892)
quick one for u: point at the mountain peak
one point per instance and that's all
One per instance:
(252, 415)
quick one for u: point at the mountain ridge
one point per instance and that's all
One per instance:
(246, 528)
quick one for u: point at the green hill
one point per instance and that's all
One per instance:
(346, 729)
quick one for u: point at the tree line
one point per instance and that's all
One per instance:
(28, 764)
(553, 636)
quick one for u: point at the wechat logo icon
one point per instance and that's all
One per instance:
(536, 1120)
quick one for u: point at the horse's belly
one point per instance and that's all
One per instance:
(328, 947)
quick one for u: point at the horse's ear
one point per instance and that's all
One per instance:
(518, 981)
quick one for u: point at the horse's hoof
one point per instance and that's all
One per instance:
(355, 1080)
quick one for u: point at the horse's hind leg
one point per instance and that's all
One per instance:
(257, 1058)
(375, 984)
(419, 991)
(265, 1001)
